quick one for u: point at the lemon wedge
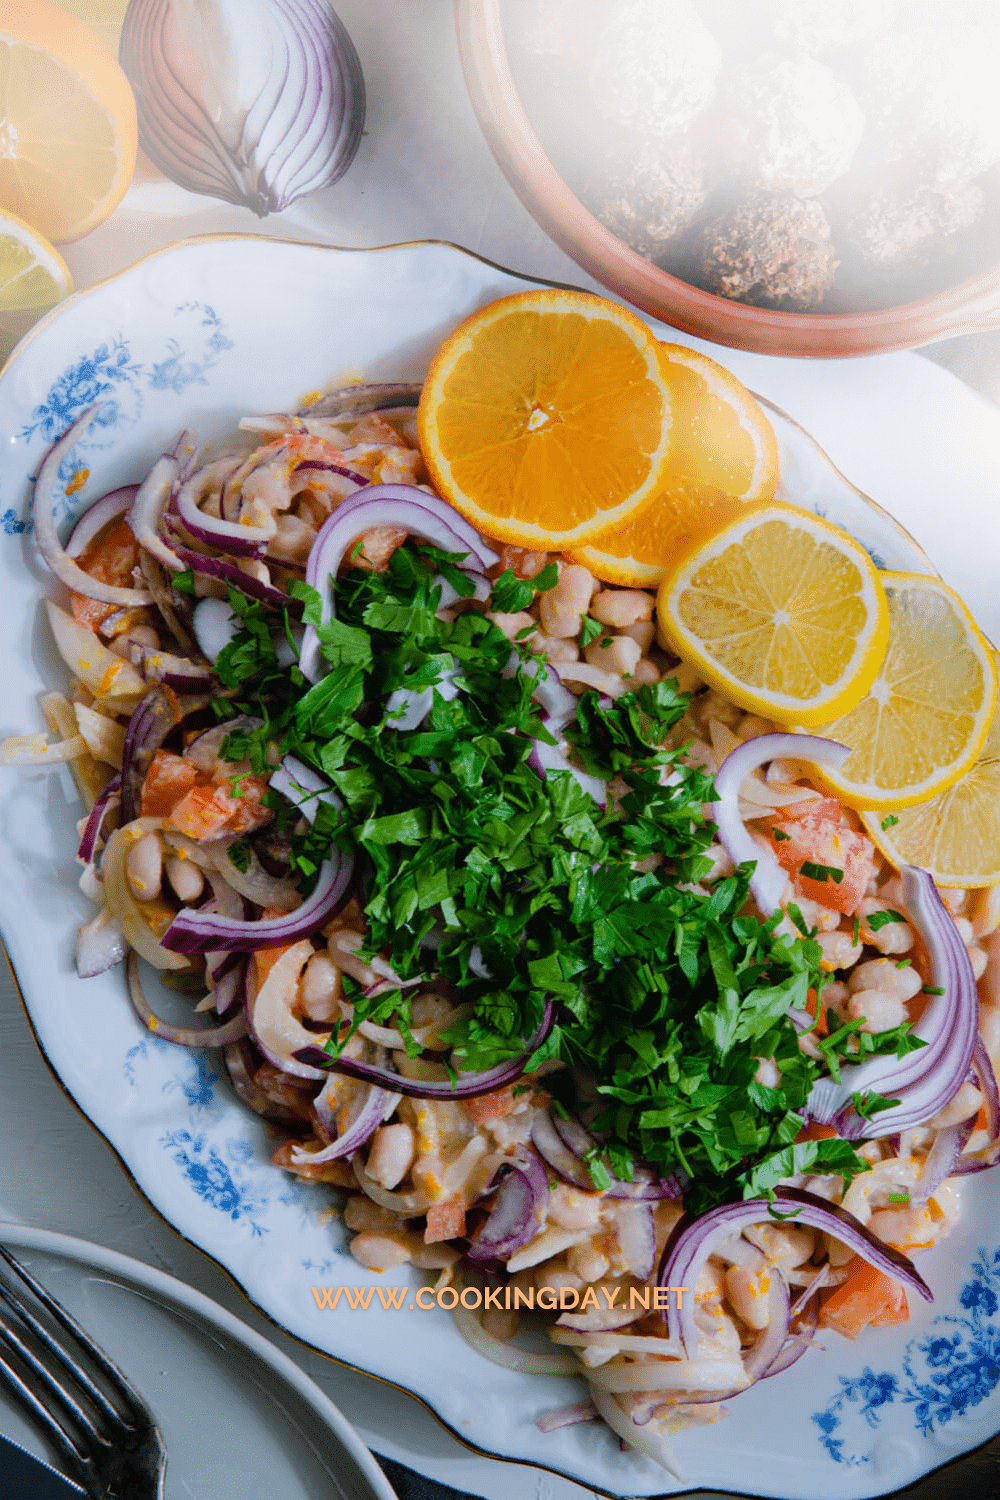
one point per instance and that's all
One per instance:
(33, 278)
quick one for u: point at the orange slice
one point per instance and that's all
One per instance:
(545, 418)
(781, 612)
(723, 456)
(68, 132)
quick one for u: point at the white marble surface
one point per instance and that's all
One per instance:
(902, 429)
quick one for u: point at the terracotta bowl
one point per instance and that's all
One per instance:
(971, 306)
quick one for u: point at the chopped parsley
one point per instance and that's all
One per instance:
(238, 854)
(590, 629)
(780, 837)
(519, 889)
(183, 582)
(821, 872)
(889, 822)
(879, 919)
(512, 594)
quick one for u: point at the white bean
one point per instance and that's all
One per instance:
(320, 990)
(587, 1262)
(138, 635)
(883, 974)
(558, 618)
(881, 1011)
(893, 937)
(978, 959)
(361, 1213)
(377, 1252)
(391, 1157)
(512, 625)
(642, 632)
(621, 607)
(644, 673)
(839, 951)
(572, 1209)
(575, 588)
(964, 928)
(747, 1289)
(617, 653)
(556, 649)
(185, 877)
(144, 868)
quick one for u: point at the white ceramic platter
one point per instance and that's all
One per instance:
(236, 1414)
(197, 336)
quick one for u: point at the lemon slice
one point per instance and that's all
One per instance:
(68, 133)
(33, 278)
(929, 711)
(781, 612)
(956, 835)
(545, 417)
(723, 456)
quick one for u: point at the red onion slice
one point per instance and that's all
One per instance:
(197, 932)
(637, 1238)
(304, 787)
(148, 727)
(174, 671)
(464, 1088)
(214, 626)
(241, 1067)
(564, 1143)
(107, 799)
(986, 1078)
(46, 536)
(376, 1106)
(546, 758)
(99, 515)
(181, 1036)
(926, 1080)
(100, 945)
(358, 400)
(227, 536)
(769, 879)
(404, 505)
(518, 1211)
(229, 574)
(941, 1159)
(567, 1416)
(693, 1240)
(149, 508)
(563, 1160)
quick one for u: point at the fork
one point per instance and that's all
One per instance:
(102, 1429)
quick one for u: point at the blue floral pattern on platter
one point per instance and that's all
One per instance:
(943, 1375)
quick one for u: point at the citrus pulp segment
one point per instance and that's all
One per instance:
(68, 134)
(33, 278)
(929, 710)
(780, 611)
(723, 456)
(955, 835)
(546, 416)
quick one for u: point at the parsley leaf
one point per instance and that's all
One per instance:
(820, 872)
(879, 919)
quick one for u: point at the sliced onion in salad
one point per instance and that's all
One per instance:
(693, 1241)
(769, 879)
(925, 1080)
(518, 1211)
(43, 515)
(234, 577)
(107, 801)
(227, 536)
(99, 515)
(149, 508)
(374, 1107)
(100, 945)
(424, 515)
(181, 1036)
(197, 931)
(465, 1086)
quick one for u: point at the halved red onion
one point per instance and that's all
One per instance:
(100, 945)
(46, 536)
(99, 515)
(563, 1160)
(769, 879)
(404, 505)
(469, 1087)
(645, 1186)
(181, 1036)
(175, 671)
(567, 1416)
(227, 536)
(149, 508)
(518, 1210)
(107, 799)
(376, 1106)
(926, 1080)
(941, 1159)
(693, 1240)
(234, 577)
(304, 787)
(241, 1067)
(197, 932)
(338, 469)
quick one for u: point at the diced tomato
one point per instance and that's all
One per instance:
(247, 792)
(204, 812)
(445, 1221)
(812, 1004)
(814, 1131)
(492, 1106)
(169, 778)
(823, 840)
(337, 1172)
(109, 558)
(815, 807)
(868, 1296)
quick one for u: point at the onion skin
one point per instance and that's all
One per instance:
(280, 113)
(692, 1241)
